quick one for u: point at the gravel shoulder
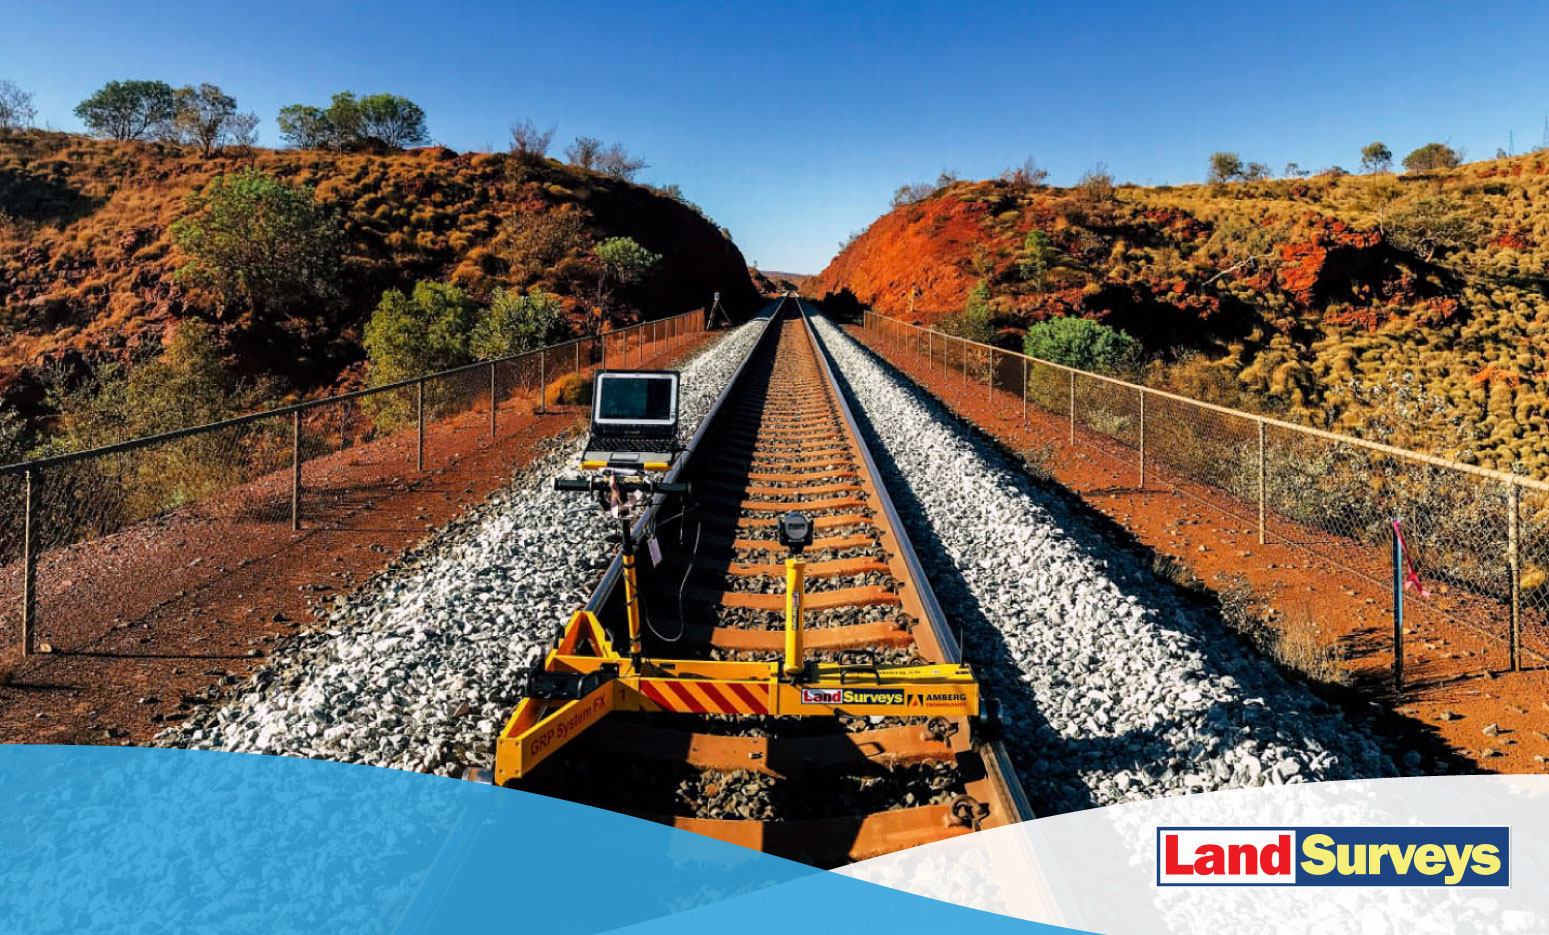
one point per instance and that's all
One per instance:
(1115, 687)
(418, 668)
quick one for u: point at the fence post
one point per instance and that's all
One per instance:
(930, 350)
(1263, 471)
(1142, 438)
(543, 383)
(989, 375)
(32, 482)
(1398, 608)
(1072, 407)
(295, 470)
(1514, 563)
(965, 363)
(1024, 391)
(493, 399)
(419, 425)
(578, 358)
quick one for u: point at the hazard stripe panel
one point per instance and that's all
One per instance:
(703, 697)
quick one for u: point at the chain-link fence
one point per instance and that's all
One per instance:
(1479, 537)
(81, 533)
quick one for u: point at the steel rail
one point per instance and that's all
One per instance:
(998, 761)
(610, 578)
(988, 775)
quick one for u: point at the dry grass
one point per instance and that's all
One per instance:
(1312, 298)
(569, 390)
(1291, 640)
(1038, 462)
(87, 262)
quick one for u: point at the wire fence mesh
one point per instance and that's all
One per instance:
(1480, 538)
(95, 521)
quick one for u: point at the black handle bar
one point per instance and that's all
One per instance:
(626, 484)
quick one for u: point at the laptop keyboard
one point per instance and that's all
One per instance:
(630, 443)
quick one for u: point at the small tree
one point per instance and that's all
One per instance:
(912, 194)
(616, 162)
(375, 121)
(622, 262)
(528, 143)
(129, 110)
(242, 129)
(1095, 185)
(1025, 177)
(413, 335)
(306, 127)
(16, 110)
(1038, 254)
(515, 323)
(973, 322)
(1083, 344)
(207, 117)
(1256, 172)
(1433, 156)
(1376, 157)
(1293, 170)
(1224, 167)
(251, 237)
(343, 118)
(625, 262)
(1433, 226)
(390, 121)
(584, 152)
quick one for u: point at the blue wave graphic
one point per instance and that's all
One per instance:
(123, 839)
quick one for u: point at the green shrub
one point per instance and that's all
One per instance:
(253, 238)
(1432, 156)
(1083, 344)
(421, 333)
(438, 327)
(515, 323)
(187, 385)
(973, 323)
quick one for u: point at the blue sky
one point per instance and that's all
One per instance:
(792, 123)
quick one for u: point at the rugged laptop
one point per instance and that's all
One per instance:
(634, 420)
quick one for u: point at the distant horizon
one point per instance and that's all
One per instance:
(793, 130)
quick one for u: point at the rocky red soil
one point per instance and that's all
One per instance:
(88, 263)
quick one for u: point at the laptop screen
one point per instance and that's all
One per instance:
(636, 399)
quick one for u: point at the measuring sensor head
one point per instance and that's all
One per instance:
(795, 531)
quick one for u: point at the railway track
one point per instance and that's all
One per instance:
(829, 790)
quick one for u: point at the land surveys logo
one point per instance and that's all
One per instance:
(1333, 856)
(854, 696)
